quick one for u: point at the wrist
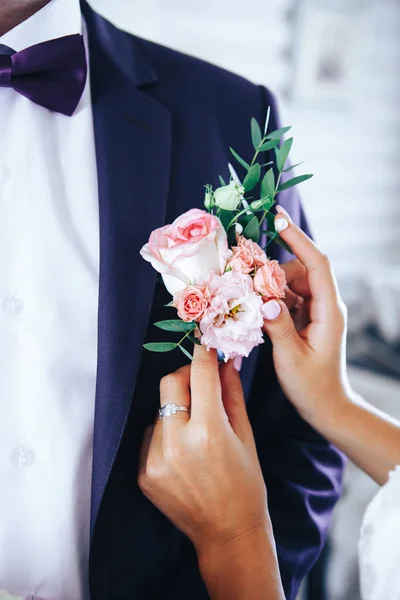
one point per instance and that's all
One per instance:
(212, 553)
(329, 416)
(244, 567)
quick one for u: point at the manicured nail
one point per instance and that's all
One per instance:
(271, 310)
(282, 211)
(237, 362)
(298, 304)
(281, 224)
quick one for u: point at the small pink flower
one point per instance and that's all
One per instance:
(232, 321)
(270, 280)
(247, 256)
(191, 303)
(188, 250)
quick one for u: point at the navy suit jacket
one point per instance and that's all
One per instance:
(163, 124)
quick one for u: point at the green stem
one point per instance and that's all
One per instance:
(185, 336)
(265, 212)
(254, 158)
(263, 217)
(271, 239)
(258, 151)
(235, 218)
(275, 193)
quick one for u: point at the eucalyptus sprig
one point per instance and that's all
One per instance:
(238, 213)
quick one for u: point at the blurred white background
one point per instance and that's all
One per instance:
(335, 69)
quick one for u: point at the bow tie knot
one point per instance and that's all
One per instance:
(5, 70)
(51, 74)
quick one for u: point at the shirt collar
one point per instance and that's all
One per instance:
(57, 19)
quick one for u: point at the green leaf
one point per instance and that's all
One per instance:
(290, 167)
(225, 216)
(252, 177)
(240, 159)
(246, 218)
(268, 184)
(256, 135)
(278, 133)
(185, 352)
(221, 180)
(278, 240)
(252, 230)
(175, 325)
(269, 145)
(283, 153)
(270, 221)
(194, 340)
(295, 181)
(160, 346)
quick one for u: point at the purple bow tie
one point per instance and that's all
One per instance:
(52, 74)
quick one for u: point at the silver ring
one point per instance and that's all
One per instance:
(171, 409)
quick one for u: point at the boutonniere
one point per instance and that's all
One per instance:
(214, 262)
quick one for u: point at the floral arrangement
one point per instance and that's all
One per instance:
(214, 262)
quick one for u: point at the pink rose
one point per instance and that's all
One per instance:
(191, 303)
(270, 280)
(247, 256)
(188, 250)
(232, 321)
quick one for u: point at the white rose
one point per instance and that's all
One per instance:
(229, 196)
(187, 251)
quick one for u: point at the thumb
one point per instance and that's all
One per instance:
(233, 400)
(279, 326)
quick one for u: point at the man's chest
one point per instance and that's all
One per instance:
(49, 248)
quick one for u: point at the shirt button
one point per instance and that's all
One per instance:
(5, 173)
(13, 306)
(22, 457)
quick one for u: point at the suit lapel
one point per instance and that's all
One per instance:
(132, 135)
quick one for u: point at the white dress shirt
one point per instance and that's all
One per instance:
(49, 270)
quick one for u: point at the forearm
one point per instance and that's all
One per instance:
(368, 437)
(245, 569)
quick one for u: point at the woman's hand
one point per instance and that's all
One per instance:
(202, 471)
(309, 345)
(310, 359)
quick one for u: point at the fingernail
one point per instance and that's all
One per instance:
(284, 212)
(298, 304)
(271, 310)
(237, 362)
(281, 224)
